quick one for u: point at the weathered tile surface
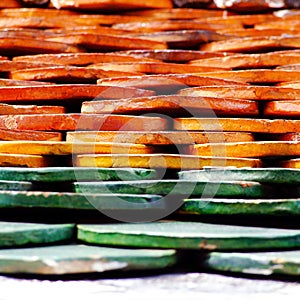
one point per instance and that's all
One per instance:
(61, 174)
(265, 175)
(176, 187)
(70, 259)
(258, 263)
(242, 207)
(189, 235)
(16, 234)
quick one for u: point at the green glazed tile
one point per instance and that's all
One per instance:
(6, 185)
(263, 263)
(263, 207)
(264, 175)
(58, 174)
(72, 259)
(15, 234)
(176, 187)
(188, 235)
(72, 200)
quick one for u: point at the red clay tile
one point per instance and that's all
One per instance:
(66, 74)
(11, 82)
(156, 68)
(256, 76)
(174, 55)
(10, 4)
(170, 161)
(103, 42)
(172, 25)
(7, 65)
(282, 108)
(29, 135)
(173, 105)
(22, 46)
(158, 137)
(53, 148)
(71, 122)
(80, 59)
(68, 92)
(179, 13)
(251, 44)
(36, 12)
(243, 92)
(292, 137)
(165, 82)
(292, 163)
(261, 60)
(246, 149)
(238, 125)
(6, 109)
(290, 84)
(112, 4)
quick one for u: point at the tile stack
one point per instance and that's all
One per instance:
(143, 111)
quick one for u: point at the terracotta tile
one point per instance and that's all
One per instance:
(66, 74)
(290, 84)
(22, 33)
(112, 5)
(170, 161)
(80, 59)
(292, 137)
(171, 25)
(159, 137)
(207, 23)
(165, 83)
(246, 20)
(238, 125)
(281, 24)
(249, 5)
(243, 92)
(155, 68)
(11, 82)
(174, 55)
(71, 122)
(251, 44)
(256, 76)
(22, 46)
(287, 13)
(82, 29)
(252, 60)
(107, 42)
(68, 92)
(282, 108)
(251, 32)
(172, 105)
(100, 19)
(36, 12)
(292, 163)
(183, 39)
(36, 22)
(7, 65)
(29, 135)
(6, 109)
(21, 160)
(246, 149)
(290, 67)
(63, 148)
(10, 4)
(179, 13)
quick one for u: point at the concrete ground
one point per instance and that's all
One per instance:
(169, 286)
